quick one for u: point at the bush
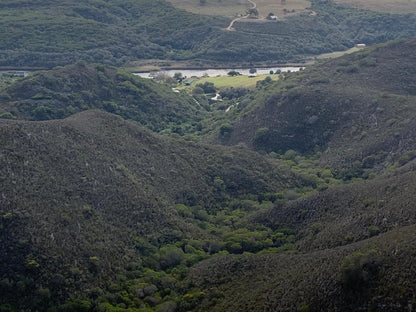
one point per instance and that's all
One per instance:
(358, 269)
(207, 86)
(171, 256)
(226, 129)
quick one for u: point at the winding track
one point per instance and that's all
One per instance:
(253, 6)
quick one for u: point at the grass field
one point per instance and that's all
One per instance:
(230, 8)
(337, 53)
(389, 6)
(242, 81)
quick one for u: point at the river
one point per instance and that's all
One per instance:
(214, 72)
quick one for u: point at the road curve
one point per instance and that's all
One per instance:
(253, 6)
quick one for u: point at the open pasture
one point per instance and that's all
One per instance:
(242, 81)
(232, 8)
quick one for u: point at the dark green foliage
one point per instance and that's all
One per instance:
(226, 129)
(233, 73)
(207, 86)
(231, 93)
(117, 32)
(310, 111)
(51, 34)
(334, 28)
(358, 269)
(98, 214)
(108, 190)
(61, 92)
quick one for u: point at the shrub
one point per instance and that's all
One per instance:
(226, 129)
(373, 230)
(207, 86)
(358, 269)
(170, 256)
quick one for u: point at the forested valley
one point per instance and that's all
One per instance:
(290, 191)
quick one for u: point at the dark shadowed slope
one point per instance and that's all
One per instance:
(357, 110)
(78, 194)
(356, 250)
(376, 274)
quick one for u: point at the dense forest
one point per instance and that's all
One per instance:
(119, 194)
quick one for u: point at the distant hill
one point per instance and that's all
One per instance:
(357, 110)
(61, 92)
(48, 34)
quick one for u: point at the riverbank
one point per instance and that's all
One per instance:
(213, 72)
(164, 65)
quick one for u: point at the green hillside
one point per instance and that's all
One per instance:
(297, 195)
(48, 34)
(357, 112)
(372, 275)
(61, 92)
(95, 208)
(355, 248)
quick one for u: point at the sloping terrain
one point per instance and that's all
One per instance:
(61, 92)
(51, 33)
(356, 250)
(372, 275)
(92, 196)
(355, 242)
(48, 34)
(357, 110)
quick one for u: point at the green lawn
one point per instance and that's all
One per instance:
(338, 53)
(242, 81)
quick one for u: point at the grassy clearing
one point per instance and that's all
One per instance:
(242, 81)
(388, 6)
(337, 53)
(230, 8)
